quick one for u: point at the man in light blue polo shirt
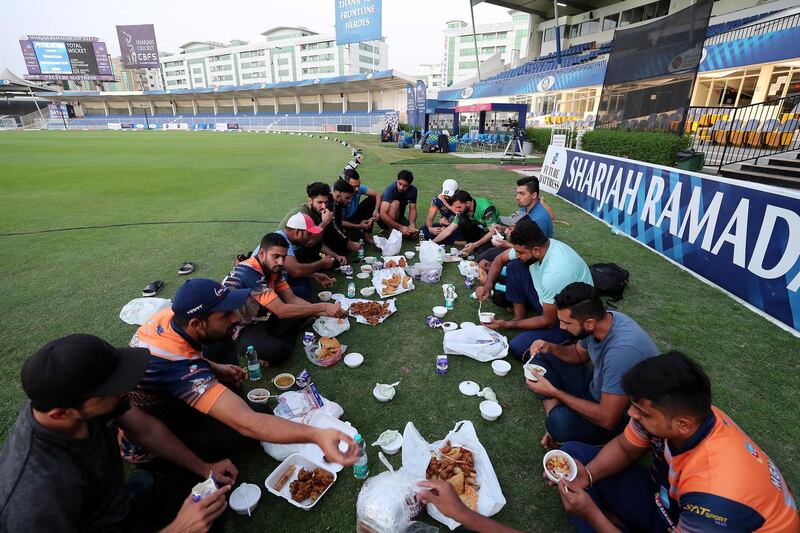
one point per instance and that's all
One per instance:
(544, 267)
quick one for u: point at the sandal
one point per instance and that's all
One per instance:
(153, 289)
(187, 268)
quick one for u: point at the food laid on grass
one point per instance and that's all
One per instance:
(456, 466)
(310, 485)
(372, 312)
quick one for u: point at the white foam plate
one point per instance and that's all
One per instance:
(469, 388)
(300, 462)
(314, 452)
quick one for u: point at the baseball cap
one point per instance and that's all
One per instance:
(449, 187)
(301, 221)
(78, 367)
(199, 296)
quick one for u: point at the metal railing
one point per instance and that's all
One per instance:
(758, 28)
(730, 135)
(286, 122)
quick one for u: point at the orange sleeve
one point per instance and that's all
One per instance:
(209, 398)
(282, 285)
(264, 298)
(635, 434)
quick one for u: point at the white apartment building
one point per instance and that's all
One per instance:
(509, 39)
(430, 73)
(284, 54)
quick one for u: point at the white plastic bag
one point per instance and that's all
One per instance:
(137, 311)
(417, 455)
(390, 246)
(479, 343)
(326, 326)
(468, 269)
(387, 502)
(430, 252)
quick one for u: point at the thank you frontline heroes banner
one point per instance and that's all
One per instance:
(357, 21)
(744, 238)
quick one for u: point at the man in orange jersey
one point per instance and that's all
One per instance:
(191, 394)
(706, 473)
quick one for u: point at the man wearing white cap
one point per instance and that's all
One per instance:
(299, 275)
(442, 205)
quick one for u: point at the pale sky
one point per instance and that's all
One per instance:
(413, 28)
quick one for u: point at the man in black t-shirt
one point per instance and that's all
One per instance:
(60, 469)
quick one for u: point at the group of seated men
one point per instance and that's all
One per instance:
(170, 402)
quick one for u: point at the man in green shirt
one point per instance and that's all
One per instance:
(474, 217)
(316, 207)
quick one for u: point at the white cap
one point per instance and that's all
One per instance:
(296, 221)
(449, 187)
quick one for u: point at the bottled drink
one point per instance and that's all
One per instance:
(253, 366)
(361, 250)
(361, 466)
(351, 288)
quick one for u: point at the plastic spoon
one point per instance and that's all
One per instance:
(247, 502)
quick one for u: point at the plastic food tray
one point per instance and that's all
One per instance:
(300, 462)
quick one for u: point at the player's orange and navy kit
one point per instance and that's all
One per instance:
(720, 481)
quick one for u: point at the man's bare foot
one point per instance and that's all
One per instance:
(548, 443)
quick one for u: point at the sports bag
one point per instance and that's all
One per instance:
(610, 280)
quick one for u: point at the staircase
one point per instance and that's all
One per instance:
(780, 171)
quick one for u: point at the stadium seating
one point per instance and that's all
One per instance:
(579, 54)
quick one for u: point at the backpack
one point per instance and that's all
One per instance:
(610, 280)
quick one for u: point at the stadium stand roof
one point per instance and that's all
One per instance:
(386, 80)
(11, 83)
(544, 8)
(278, 28)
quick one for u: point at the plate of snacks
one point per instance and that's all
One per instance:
(391, 282)
(328, 352)
(300, 481)
(558, 464)
(395, 261)
(456, 466)
(369, 311)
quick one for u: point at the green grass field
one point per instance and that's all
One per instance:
(59, 282)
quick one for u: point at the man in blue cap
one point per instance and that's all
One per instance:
(60, 468)
(193, 396)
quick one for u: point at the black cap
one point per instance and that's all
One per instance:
(78, 367)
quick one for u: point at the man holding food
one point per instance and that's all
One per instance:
(191, 395)
(586, 403)
(61, 468)
(395, 199)
(474, 217)
(706, 473)
(278, 314)
(297, 231)
(544, 268)
(315, 207)
(335, 236)
(359, 216)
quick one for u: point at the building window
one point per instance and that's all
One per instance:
(283, 61)
(610, 22)
(367, 59)
(196, 80)
(589, 27)
(252, 64)
(252, 75)
(226, 77)
(467, 64)
(283, 73)
(254, 53)
(363, 70)
(214, 59)
(550, 34)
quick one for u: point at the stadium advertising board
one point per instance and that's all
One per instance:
(357, 21)
(58, 57)
(764, 48)
(420, 96)
(138, 46)
(411, 106)
(742, 237)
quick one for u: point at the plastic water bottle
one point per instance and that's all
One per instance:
(361, 250)
(351, 288)
(253, 366)
(361, 466)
